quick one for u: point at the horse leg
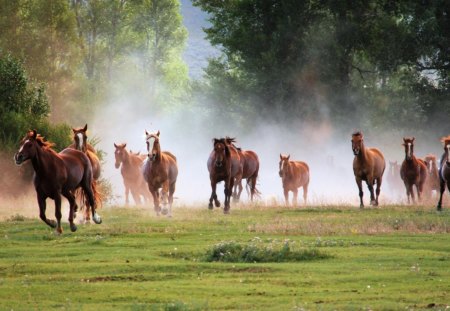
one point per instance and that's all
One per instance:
(442, 189)
(294, 198)
(370, 182)
(238, 183)
(171, 192)
(379, 180)
(136, 196)
(411, 192)
(213, 196)
(286, 196)
(88, 189)
(155, 194)
(305, 193)
(239, 186)
(361, 193)
(42, 207)
(252, 187)
(228, 193)
(127, 193)
(58, 214)
(71, 198)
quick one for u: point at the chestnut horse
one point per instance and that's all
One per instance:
(444, 170)
(250, 169)
(368, 166)
(294, 174)
(160, 170)
(131, 173)
(56, 174)
(224, 164)
(433, 181)
(413, 171)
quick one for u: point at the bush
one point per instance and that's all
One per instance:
(257, 252)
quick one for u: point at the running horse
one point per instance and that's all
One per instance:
(80, 143)
(160, 170)
(130, 167)
(294, 174)
(433, 181)
(444, 170)
(368, 166)
(224, 164)
(57, 174)
(250, 168)
(413, 171)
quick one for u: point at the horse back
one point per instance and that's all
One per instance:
(379, 164)
(301, 172)
(251, 163)
(77, 166)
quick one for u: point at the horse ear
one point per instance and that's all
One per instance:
(115, 145)
(34, 134)
(157, 134)
(146, 133)
(124, 145)
(288, 157)
(413, 139)
(74, 130)
(281, 157)
(85, 128)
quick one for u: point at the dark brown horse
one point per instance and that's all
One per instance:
(160, 170)
(223, 164)
(413, 171)
(56, 174)
(294, 174)
(250, 168)
(131, 173)
(433, 181)
(368, 165)
(444, 170)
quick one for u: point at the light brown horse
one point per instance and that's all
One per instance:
(56, 174)
(393, 178)
(294, 174)
(413, 171)
(433, 181)
(80, 143)
(250, 168)
(223, 164)
(160, 170)
(368, 166)
(444, 170)
(130, 167)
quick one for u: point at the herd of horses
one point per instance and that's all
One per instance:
(74, 173)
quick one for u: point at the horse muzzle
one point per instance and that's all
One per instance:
(448, 163)
(116, 165)
(19, 159)
(281, 174)
(218, 163)
(356, 151)
(152, 157)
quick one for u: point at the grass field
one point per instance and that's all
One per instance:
(388, 258)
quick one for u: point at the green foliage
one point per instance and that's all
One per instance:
(256, 252)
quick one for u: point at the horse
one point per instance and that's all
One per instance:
(294, 174)
(80, 143)
(413, 171)
(160, 170)
(433, 180)
(57, 174)
(393, 178)
(250, 168)
(368, 166)
(224, 164)
(131, 173)
(444, 170)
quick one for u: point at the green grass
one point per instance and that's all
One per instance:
(388, 258)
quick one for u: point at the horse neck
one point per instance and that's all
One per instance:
(289, 171)
(125, 157)
(363, 154)
(40, 159)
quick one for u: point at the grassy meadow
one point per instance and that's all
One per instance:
(392, 257)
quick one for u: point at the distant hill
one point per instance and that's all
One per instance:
(198, 49)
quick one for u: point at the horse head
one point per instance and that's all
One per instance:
(221, 150)
(283, 165)
(357, 142)
(446, 142)
(119, 154)
(153, 146)
(27, 149)
(408, 143)
(80, 138)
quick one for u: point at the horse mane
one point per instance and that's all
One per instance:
(445, 139)
(225, 142)
(357, 133)
(230, 140)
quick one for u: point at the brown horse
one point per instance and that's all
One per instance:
(223, 164)
(433, 180)
(413, 171)
(368, 165)
(160, 170)
(131, 173)
(294, 174)
(250, 168)
(444, 170)
(56, 174)
(80, 143)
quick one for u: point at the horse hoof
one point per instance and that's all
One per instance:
(226, 211)
(164, 211)
(52, 223)
(58, 231)
(73, 228)
(217, 204)
(361, 206)
(210, 206)
(97, 219)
